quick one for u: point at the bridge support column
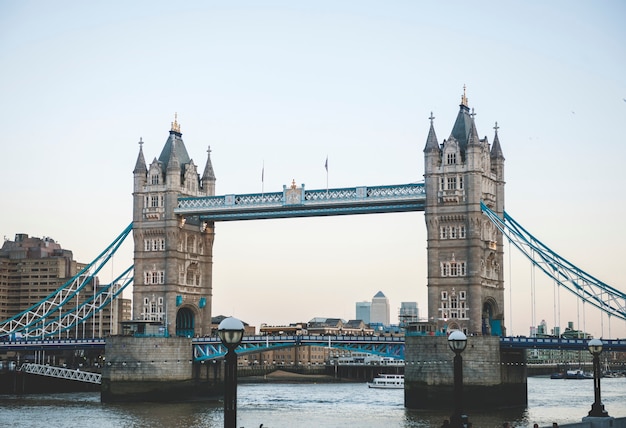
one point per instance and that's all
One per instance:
(151, 369)
(491, 377)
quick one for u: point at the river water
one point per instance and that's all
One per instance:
(307, 405)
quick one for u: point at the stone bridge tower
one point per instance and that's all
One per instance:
(465, 250)
(173, 256)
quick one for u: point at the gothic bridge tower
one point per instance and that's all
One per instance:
(465, 250)
(173, 257)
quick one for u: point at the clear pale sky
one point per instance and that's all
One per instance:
(287, 84)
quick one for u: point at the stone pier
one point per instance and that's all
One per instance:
(491, 377)
(154, 369)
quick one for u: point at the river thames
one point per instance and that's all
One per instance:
(307, 405)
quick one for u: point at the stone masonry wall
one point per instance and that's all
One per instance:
(148, 358)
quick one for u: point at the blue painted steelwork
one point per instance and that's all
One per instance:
(586, 287)
(52, 344)
(559, 343)
(57, 313)
(299, 202)
(210, 348)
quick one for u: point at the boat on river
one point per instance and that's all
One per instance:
(577, 374)
(387, 381)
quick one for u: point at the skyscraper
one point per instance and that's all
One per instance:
(379, 312)
(363, 310)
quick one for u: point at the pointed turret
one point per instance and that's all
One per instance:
(432, 144)
(473, 138)
(208, 177)
(140, 165)
(496, 149)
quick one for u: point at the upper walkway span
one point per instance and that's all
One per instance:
(298, 202)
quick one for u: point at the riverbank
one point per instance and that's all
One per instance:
(282, 376)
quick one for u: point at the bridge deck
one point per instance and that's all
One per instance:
(299, 202)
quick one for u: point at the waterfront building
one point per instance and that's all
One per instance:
(380, 309)
(32, 268)
(363, 310)
(173, 256)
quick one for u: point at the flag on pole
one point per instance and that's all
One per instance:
(263, 179)
(326, 166)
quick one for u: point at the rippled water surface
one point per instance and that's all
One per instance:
(307, 405)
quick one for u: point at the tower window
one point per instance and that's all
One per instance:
(451, 158)
(451, 183)
(154, 179)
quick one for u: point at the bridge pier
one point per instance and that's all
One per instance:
(491, 377)
(155, 369)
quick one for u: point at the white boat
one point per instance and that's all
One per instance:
(387, 381)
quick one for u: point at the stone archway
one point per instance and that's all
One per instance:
(185, 322)
(491, 322)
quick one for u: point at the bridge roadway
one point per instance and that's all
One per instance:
(298, 202)
(210, 348)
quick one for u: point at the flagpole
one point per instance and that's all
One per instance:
(326, 166)
(263, 179)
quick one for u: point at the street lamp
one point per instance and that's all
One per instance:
(457, 342)
(230, 331)
(597, 408)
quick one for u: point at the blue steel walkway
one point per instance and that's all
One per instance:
(298, 202)
(208, 348)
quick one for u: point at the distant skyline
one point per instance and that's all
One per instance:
(276, 89)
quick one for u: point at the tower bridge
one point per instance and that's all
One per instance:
(175, 212)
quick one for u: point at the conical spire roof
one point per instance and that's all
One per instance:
(496, 149)
(431, 142)
(208, 174)
(140, 165)
(473, 138)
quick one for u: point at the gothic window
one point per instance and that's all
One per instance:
(162, 244)
(453, 232)
(444, 295)
(154, 277)
(146, 245)
(451, 158)
(462, 231)
(191, 244)
(461, 183)
(154, 179)
(462, 296)
(443, 232)
(453, 269)
(154, 201)
(451, 183)
(442, 183)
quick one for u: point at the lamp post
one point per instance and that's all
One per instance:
(597, 408)
(230, 331)
(457, 342)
